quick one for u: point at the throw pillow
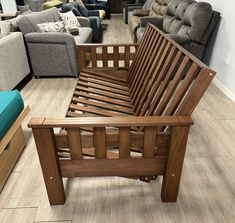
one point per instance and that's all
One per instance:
(82, 8)
(52, 27)
(70, 21)
(140, 12)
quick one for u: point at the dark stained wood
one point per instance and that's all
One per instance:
(174, 164)
(46, 147)
(142, 107)
(100, 142)
(75, 143)
(113, 167)
(112, 140)
(124, 142)
(149, 141)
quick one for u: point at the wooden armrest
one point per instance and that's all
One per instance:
(111, 55)
(110, 122)
(10, 133)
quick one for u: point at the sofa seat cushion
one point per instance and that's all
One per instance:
(11, 105)
(85, 35)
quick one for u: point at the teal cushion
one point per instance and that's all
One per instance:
(11, 105)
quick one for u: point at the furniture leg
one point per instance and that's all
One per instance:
(174, 164)
(50, 165)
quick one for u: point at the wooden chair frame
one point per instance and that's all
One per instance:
(143, 97)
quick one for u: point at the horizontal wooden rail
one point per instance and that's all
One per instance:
(120, 167)
(110, 121)
(121, 55)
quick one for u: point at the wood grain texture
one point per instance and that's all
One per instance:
(208, 178)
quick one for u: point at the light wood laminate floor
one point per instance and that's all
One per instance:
(207, 192)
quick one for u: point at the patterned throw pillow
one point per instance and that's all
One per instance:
(52, 27)
(70, 21)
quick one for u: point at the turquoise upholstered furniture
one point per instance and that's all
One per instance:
(11, 105)
(12, 140)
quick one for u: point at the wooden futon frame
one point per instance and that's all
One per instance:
(129, 115)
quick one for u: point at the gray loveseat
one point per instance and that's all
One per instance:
(52, 53)
(151, 9)
(188, 22)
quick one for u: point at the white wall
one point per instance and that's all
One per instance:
(224, 43)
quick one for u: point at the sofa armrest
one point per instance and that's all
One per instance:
(93, 13)
(156, 21)
(84, 21)
(50, 37)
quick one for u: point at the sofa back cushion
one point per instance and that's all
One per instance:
(148, 4)
(28, 23)
(187, 17)
(159, 8)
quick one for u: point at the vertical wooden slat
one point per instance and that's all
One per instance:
(150, 134)
(75, 144)
(174, 164)
(147, 96)
(148, 82)
(155, 86)
(139, 55)
(116, 56)
(124, 142)
(81, 56)
(167, 89)
(100, 142)
(196, 92)
(105, 56)
(181, 91)
(93, 56)
(47, 152)
(127, 56)
(143, 61)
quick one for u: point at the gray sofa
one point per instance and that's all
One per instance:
(52, 53)
(188, 22)
(14, 65)
(151, 9)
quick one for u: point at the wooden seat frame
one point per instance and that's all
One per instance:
(130, 98)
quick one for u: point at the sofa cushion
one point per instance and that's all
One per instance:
(70, 21)
(141, 12)
(187, 17)
(11, 105)
(85, 35)
(52, 27)
(28, 23)
(159, 8)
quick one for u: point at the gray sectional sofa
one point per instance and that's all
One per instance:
(52, 54)
(188, 22)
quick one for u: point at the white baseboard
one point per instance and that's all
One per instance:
(224, 89)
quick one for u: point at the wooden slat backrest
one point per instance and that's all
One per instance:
(165, 79)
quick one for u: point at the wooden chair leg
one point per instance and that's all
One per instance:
(173, 168)
(46, 147)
